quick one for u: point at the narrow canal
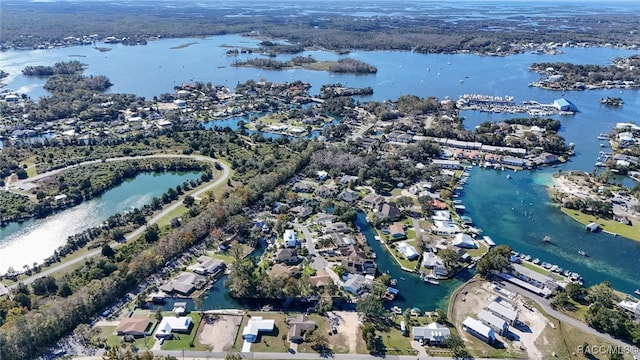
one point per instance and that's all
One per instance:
(413, 291)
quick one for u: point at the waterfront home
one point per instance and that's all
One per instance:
(479, 330)
(355, 284)
(447, 164)
(445, 228)
(433, 262)
(170, 325)
(505, 313)
(431, 334)
(441, 215)
(389, 211)
(255, 326)
(284, 271)
(464, 241)
(548, 158)
(396, 230)
(512, 161)
(493, 321)
(337, 227)
(290, 238)
(535, 278)
(408, 251)
(372, 201)
(184, 284)
(286, 256)
(298, 326)
(135, 326)
(348, 196)
(356, 262)
(206, 265)
(438, 205)
(631, 306)
(341, 240)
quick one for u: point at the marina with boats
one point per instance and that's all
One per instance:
(506, 104)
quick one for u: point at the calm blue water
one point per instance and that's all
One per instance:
(34, 240)
(154, 69)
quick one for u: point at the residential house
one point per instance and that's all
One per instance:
(388, 210)
(290, 238)
(548, 158)
(512, 161)
(286, 256)
(348, 196)
(355, 284)
(321, 279)
(255, 326)
(206, 265)
(447, 164)
(342, 240)
(338, 227)
(346, 179)
(396, 230)
(356, 262)
(302, 187)
(285, 271)
(445, 228)
(302, 212)
(135, 326)
(464, 241)
(184, 284)
(493, 321)
(372, 201)
(298, 326)
(170, 325)
(324, 218)
(326, 192)
(408, 251)
(431, 334)
(479, 330)
(322, 175)
(433, 262)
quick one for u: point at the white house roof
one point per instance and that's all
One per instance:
(503, 311)
(492, 320)
(170, 324)
(463, 241)
(478, 327)
(257, 324)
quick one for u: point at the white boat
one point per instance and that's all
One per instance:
(583, 253)
(637, 292)
(433, 282)
(508, 177)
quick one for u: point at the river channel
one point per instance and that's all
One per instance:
(34, 240)
(497, 206)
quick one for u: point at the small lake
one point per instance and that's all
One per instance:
(34, 240)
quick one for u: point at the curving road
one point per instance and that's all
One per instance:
(226, 171)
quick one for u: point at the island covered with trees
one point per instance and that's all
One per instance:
(346, 65)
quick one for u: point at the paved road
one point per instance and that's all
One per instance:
(318, 261)
(205, 355)
(225, 174)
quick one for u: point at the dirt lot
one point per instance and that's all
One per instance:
(346, 339)
(479, 295)
(221, 332)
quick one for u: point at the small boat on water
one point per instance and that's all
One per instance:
(508, 177)
(433, 282)
(637, 292)
(583, 253)
(396, 310)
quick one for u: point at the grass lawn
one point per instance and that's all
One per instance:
(481, 250)
(396, 192)
(177, 212)
(228, 259)
(397, 344)
(184, 341)
(535, 268)
(611, 226)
